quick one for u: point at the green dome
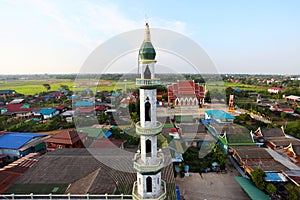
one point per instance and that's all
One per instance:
(147, 51)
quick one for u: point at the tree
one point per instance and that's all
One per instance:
(294, 192)
(64, 87)
(258, 176)
(270, 188)
(134, 117)
(219, 155)
(47, 86)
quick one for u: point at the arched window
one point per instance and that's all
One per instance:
(148, 148)
(149, 184)
(147, 111)
(147, 73)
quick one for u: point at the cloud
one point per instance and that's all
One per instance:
(91, 23)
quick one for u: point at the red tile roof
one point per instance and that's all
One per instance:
(16, 108)
(66, 137)
(185, 88)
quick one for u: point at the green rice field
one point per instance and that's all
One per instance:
(32, 87)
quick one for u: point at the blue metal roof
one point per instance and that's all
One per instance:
(84, 103)
(16, 140)
(47, 111)
(219, 114)
(178, 193)
(7, 91)
(108, 134)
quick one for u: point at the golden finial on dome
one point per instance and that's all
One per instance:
(147, 29)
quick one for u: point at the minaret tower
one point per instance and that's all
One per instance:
(148, 162)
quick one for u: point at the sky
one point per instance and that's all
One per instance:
(57, 36)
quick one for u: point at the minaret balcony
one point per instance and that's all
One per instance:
(140, 82)
(148, 130)
(162, 196)
(148, 166)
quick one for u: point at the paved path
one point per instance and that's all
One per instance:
(211, 186)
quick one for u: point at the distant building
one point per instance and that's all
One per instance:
(46, 113)
(17, 110)
(293, 100)
(275, 90)
(186, 93)
(7, 92)
(282, 107)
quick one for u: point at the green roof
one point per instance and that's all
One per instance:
(252, 191)
(96, 133)
(184, 118)
(239, 138)
(168, 126)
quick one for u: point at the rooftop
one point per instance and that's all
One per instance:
(82, 170)
(219, 114)
(16, 140)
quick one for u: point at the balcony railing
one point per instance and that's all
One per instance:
(147, 82)
(66, 196)
(148, 130)
(142, 167)
(136, 196)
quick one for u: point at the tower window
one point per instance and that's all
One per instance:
(148, 148)
(147, 73)
(149, 184)
(147, 111)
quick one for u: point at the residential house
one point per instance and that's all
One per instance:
(66, 139)
(293, 100)
(17, 101)
(275, 90)
(126, 101)
(276, 139)
(282, 107)
(7, 92)
(84, 108)
(253, 157)
(235, 135)
(17, 110)
(46, 113)
(265, 102)
(61, 108)
(19, 144)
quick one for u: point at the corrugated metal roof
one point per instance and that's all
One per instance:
(47, 111)
(253, 192)
(16, 140)
(84, 103)
(219, 114)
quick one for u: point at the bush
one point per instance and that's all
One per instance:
(258, 176)
(270, 188)
(294, 192)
